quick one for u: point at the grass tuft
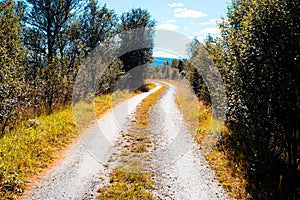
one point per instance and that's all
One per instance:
(130, 179)
(128, 182)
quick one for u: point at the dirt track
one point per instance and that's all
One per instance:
(180, 168)
(76, 176)
(181, 171)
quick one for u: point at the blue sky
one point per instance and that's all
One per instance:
(192, 18)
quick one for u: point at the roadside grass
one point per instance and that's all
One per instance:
(27, 150)
(34, 145)
(87, 113)
(188, 104)
(130, 179)
(206, 131)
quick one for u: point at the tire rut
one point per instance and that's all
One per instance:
(77, 174)
(181, 171)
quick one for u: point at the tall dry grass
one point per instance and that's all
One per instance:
(33, 145)
(207, 132)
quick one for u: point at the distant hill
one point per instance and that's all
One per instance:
(160, 61)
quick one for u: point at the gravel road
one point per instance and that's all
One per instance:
(181, 172)
(76, 175)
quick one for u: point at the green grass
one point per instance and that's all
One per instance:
(130, 179)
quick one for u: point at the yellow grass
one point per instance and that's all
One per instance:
(29, 149)
(26, 151)
(207, 130)
(130, 181)
(145, 88)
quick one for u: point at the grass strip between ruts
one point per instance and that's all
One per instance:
(130, 180)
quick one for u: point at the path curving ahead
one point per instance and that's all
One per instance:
(76, 175)
(181, 171)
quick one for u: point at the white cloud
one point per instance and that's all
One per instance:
(171, 21)
(206, 31)
(174, 4)
(167, 26)
(210, 22)
(180, 4)
(202, 34)
(187, 13)
(201, 38)
(164, 54)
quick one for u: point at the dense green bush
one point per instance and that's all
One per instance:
(258, 56)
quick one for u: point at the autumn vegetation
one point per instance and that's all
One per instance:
(257, 56)
(44, 43)
(257, 152)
